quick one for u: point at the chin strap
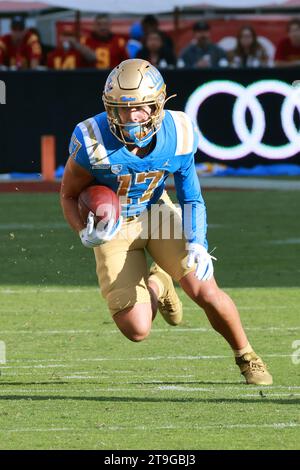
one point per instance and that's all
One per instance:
(132, 132)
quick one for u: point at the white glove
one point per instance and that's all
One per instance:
(92, 236)
(198, 255)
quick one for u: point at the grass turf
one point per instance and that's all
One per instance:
(71, 381)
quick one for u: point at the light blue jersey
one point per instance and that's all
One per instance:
(139, 182)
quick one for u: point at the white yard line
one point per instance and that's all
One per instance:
(46, 290)
(154, 330)
(181, 388)
(208, 426)
(272, 395)
(39, 430)
(240, 307)
(105, 375)
(83, 377)
(118, 359)
(219, 386)
(150, 387)
(39, 366)
(47, 332)
(104, 428)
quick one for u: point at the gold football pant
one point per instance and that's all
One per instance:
(121, 263)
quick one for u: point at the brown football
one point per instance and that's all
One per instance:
(100, 200)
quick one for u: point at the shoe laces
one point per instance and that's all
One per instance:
(257, 365)
(167, 303)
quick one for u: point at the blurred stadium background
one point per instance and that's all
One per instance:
(69, 380)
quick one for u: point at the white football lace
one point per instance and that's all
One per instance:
(212, 257)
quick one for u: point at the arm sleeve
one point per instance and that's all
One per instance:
(77, 149)
(190, 199)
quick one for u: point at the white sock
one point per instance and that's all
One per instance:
(241, 352)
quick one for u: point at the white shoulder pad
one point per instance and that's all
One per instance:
(93, 141)
(184, 131)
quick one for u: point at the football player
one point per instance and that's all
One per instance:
(132, 148)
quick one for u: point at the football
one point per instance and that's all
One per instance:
(100, 200)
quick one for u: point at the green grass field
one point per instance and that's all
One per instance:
(72, 381)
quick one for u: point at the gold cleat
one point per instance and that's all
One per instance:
(169, 304)
(254, 369)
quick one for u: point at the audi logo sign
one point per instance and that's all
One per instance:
(248, 99)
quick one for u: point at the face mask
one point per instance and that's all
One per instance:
(134, 131)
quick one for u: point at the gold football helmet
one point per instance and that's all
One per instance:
(134, 83)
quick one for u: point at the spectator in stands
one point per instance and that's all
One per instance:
(155, 52)
(150, 24)
(65, 56)
(21, 48)
(134, 44)
(202, 52)
(102, 49)
(288, 50)
(46, 48)
(248, 51)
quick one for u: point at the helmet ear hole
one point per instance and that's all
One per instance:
(134, 82)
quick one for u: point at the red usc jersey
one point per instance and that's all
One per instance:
(20, 55)
(59, 59)
(109, 52)
(286, 51)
